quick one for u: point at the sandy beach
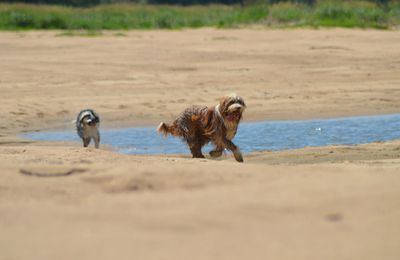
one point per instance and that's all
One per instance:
(335, 202)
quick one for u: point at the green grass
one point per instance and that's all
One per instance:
(113, 17)
(331, 13)
(326, 13)
(289, 14)
(362, 14)
(83, 33)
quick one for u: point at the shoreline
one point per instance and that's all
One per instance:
(155, 123)
(30, 136)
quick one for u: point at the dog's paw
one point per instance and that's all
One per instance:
(198, 156)
(216, 153)
(239, 159)
(238, 155)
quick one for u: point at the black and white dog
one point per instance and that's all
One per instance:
(87, 126)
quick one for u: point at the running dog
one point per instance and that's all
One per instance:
(87, 126)
(199, 125)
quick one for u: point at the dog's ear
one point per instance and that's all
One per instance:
(210, 122)
(223, 103)
(242, 102)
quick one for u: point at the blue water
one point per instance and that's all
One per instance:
(268, 135)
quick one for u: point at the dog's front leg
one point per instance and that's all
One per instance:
(86, 141)
(217, 152)
(97, 139)
(235, 150)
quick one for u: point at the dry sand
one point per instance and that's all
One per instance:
(338, 202)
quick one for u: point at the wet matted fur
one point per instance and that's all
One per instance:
(199, 125)
(87, 126)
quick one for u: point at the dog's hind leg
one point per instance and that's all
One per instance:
(195, 149)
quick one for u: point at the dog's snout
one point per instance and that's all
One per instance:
(235, 107)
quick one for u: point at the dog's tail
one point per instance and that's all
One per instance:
(165, 129)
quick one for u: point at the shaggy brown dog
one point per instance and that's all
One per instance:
(201, 125)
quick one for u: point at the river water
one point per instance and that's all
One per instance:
(259, 136)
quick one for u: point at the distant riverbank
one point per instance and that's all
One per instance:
(358, 14)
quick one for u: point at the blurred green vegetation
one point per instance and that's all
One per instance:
(323, 13)
(86, 3)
